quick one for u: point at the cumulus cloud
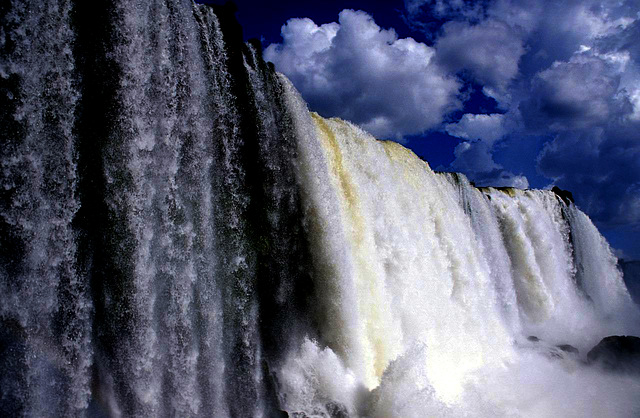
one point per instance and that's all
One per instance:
(474, 158)
(356, 70)
(603, 164)
(625, 40)
(575, 79)
(589, 103)
(490, 51)
(488, 128)
(476, 161)
(578, 94)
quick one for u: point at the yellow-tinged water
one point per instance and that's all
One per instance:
(378, 349)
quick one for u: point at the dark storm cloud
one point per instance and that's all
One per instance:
(579, 94)
(604, 165)
(468, 10)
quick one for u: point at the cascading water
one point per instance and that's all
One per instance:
(179, 236)
(429, 288)
(150, 236)
(44, 305)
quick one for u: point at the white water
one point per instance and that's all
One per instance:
(179, 236)
(428, 289)
(40, 174)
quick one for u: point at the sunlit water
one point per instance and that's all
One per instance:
(429, 288)
(179, 236)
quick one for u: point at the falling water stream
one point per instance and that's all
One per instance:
(180, 236)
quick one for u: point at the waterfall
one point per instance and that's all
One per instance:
(151, 236)
(180, 236)
(430, 287)
(44, 307)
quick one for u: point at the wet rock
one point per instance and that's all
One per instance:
(332, 410)
(561, 351)
(565, 195)
(617, 353)
(567, 348)
(337, 410)
(554, 353)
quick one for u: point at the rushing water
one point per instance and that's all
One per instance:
(179, 236)
(429, 288)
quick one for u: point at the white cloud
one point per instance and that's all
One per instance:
(593, 88)
(523, 15)
(577, 94)
(600, 21)
(576, 80)
(356, 70)
(302, 39)
(543, 31)
(634, 96)
(488, 128)
(508, 179)
(490, 50)
(474, 157)
(475, 160)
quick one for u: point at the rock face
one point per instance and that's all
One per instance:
(333, 410)
(559, 351)
(567, 348)
(565, 195)
(617, 353)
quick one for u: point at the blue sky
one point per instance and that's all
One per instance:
(525, 93)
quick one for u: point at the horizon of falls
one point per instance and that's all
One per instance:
(180, 236)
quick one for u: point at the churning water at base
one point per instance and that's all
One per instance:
(179, 236)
